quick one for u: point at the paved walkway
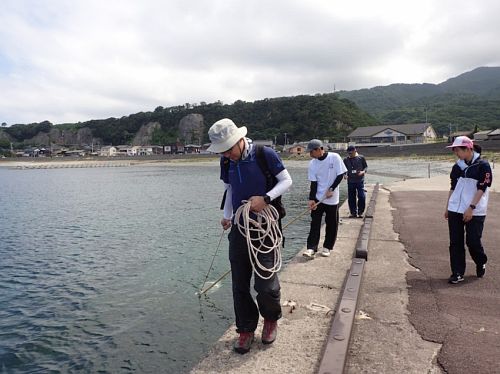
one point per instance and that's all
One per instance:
(384, 341)
(410, 320)
(464, 318)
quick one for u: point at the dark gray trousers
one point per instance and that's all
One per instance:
(473, 232)
(268, 290)
(331, 213)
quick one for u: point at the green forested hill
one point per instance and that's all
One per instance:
(325, 116)
(483, 81)
(471, 99)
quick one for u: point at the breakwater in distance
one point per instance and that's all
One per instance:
(420, 150)
(66, 165)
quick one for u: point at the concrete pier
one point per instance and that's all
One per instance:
(389, 333)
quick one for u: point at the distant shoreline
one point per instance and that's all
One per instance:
(95, 162)
(420, 152)
(54, 163)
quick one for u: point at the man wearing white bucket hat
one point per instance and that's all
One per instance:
(244, 179)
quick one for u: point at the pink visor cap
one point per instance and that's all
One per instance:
(462, 141)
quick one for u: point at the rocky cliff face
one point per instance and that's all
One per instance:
(341, 126)
(191, 128)
(5, 136)
(145, 134)
(64, 137)
(191, 131)
(40, 139)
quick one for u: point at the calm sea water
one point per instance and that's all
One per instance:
(99, 267)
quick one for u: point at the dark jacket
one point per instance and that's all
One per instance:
(353, 165)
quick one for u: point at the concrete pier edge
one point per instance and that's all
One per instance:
(310, 295)
(335, 354)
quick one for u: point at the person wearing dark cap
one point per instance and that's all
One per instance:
(356, 169)
(326, 171)
(466, 207)
(244, 180)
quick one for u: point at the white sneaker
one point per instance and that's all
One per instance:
(309, 253)
(325, 252)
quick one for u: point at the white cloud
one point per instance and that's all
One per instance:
(73, 61)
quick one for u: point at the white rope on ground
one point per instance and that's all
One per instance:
(263, 236)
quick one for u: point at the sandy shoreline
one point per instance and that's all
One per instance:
(55, 163)
(194, 160)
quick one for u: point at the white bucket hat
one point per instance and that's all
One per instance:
(224, 134)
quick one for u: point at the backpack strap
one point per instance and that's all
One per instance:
(225, 165)
(262, 162)
(271, 180)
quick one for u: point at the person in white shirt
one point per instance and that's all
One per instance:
(466, 207)
(326, 171)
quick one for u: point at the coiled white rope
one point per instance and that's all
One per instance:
(263, 236)
(308, 210)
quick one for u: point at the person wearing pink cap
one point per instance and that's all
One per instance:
(466, 207)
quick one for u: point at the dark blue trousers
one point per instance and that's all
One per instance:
(268, 290)
(356, 203)
(473, 232)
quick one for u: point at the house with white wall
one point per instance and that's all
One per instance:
(108, 151)
(394, 134)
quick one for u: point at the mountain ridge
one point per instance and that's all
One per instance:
(455, 100)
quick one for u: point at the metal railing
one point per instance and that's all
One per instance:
(337, 347)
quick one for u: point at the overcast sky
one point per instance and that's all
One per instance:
(75, 60)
